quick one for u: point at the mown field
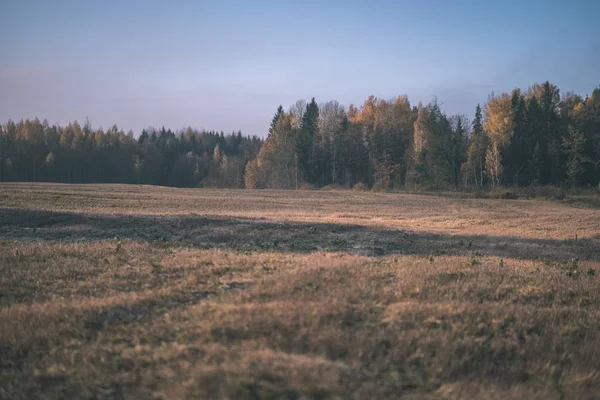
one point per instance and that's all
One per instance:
(116, 291)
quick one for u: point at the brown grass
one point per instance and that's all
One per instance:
(114, 291)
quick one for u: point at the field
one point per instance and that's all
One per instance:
(116, 291)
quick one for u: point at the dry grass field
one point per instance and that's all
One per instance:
(116, 291)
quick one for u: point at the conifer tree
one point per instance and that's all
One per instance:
(275, 118)
(305, 141)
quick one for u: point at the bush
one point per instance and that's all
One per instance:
(379, 187)
(549, 192)
(333, 187)
(360, 187)
(501, 193)
(306, 186)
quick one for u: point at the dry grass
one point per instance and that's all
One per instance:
(110, 291)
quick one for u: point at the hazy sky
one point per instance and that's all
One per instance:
(227, 65)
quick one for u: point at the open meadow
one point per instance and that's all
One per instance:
(125, 291)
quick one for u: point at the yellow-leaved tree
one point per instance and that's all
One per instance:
(499, 128)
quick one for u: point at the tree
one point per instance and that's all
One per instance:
(305, 141)
(499, 129)
(475, 164)
(458, 143)
(275, 164)
(574, 148)
(296, 113)
(421, 130)
(518, 149)
(493, 163)
(252, 176)
(421, 144)
(332, 121)
(353, 155)
(534, 127)
(4, 143)
(527, 137)
(549, 99)
(275, 118)
(591, 129)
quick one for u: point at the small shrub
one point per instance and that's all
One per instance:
(474, 262)
(555, 375)
(333, 187)
(591, 272)
(306, 186)
(379, 187)
(572, 273)
(575, 262)
(561, 196)
(548, 192)
(501, 193)
(510, 196)
(495, 193)
(360, 187)
(479, 194)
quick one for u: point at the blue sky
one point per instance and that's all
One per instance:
(227, 65)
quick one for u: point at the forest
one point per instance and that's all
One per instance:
(532, 137)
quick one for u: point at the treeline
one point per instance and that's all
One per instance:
(523, 138)
(36, 151)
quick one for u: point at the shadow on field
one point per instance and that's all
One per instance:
(245, 234)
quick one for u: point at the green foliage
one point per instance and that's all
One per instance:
(276, 117)
(305, 141)
(474, 167)
(591, 272)
(555, 376)
(572, 273)
(574, 148)
(31, 150)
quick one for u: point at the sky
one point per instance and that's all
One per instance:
(227, 65)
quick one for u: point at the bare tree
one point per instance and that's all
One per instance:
(331, 117)
(297, 112)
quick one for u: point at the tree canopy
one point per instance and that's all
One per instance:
(527, 137)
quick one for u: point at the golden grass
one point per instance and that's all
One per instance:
(116, 291)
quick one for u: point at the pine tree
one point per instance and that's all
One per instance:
(305, 141)
(275, 119)
(477, 149)
(458, 145)
(517, 152)
(549, 98)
